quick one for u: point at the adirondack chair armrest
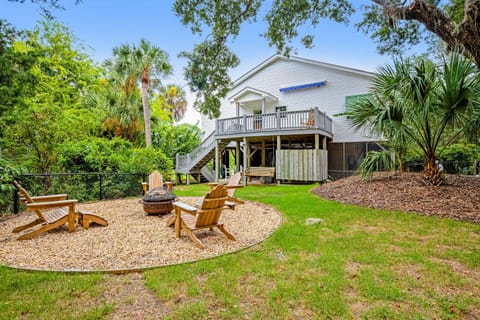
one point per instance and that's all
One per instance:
(51, 197)
(50, 204)
(230, 204)
(185, 207)
(214, 184)
(238, 186)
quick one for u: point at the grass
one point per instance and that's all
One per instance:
(358, 263)
(48, 295)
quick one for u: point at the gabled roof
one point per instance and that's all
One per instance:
(252, 92)
(277, 57)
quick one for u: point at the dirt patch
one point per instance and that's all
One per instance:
(458, 198)
(131, 299)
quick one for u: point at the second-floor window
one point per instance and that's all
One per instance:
(281, 109)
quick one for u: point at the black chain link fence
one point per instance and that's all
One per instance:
(84, 187)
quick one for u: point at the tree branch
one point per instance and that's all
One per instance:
(464, 36)
(468, 30)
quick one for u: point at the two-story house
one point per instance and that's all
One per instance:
(282, 114)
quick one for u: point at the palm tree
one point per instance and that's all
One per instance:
(417, 101)
(145, 63)
(148, 63)
(175, 101)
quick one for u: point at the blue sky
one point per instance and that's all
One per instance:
(104, 24)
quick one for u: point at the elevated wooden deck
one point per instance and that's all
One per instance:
(311, 121)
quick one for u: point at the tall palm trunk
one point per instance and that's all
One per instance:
(146, 113)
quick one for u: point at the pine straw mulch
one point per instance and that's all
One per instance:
(458, 198)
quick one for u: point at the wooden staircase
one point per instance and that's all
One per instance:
(194, 163)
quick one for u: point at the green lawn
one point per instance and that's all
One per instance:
(358, 263)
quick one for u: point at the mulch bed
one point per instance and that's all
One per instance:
(458, 198)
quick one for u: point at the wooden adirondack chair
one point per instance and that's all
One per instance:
(53, 211)
(56, 215)
(190, 219)
(155, 180)
(232, 185)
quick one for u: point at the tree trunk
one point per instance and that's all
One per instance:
(146, 114)
(464, 36)
(431, 171)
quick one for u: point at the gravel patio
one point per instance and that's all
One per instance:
(132, 241)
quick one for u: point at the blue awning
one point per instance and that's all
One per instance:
(304, 86)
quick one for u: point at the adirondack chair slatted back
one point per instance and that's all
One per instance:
(155, 180)
(234, 181)
(212, 206)
(26, 198)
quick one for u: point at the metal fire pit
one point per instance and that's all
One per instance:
(158, 201)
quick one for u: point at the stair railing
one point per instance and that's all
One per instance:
(186, 162)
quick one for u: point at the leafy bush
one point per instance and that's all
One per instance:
(456, 158)
(376, 161)
(460, 158)
(172, 140)
(145, 161)
(7, 174)
(92, 155)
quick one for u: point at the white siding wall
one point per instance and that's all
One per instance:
(286, 73)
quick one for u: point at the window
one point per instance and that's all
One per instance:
(282, 110)
(352, 100)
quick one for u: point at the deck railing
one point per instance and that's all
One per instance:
(267, 122)
(279, 121)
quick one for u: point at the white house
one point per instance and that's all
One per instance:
(282, 114)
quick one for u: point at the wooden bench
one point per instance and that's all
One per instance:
(260, 172)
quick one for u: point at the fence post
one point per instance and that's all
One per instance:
(16, 206)
(101, 186)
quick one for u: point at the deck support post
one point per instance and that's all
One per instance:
(217, 161)
(279, 147)
(237, 156)
(264, 153)
(249, 162)
(245, 162)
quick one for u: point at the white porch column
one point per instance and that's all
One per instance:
(217, 161)
(245, 155)
(279, 147)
